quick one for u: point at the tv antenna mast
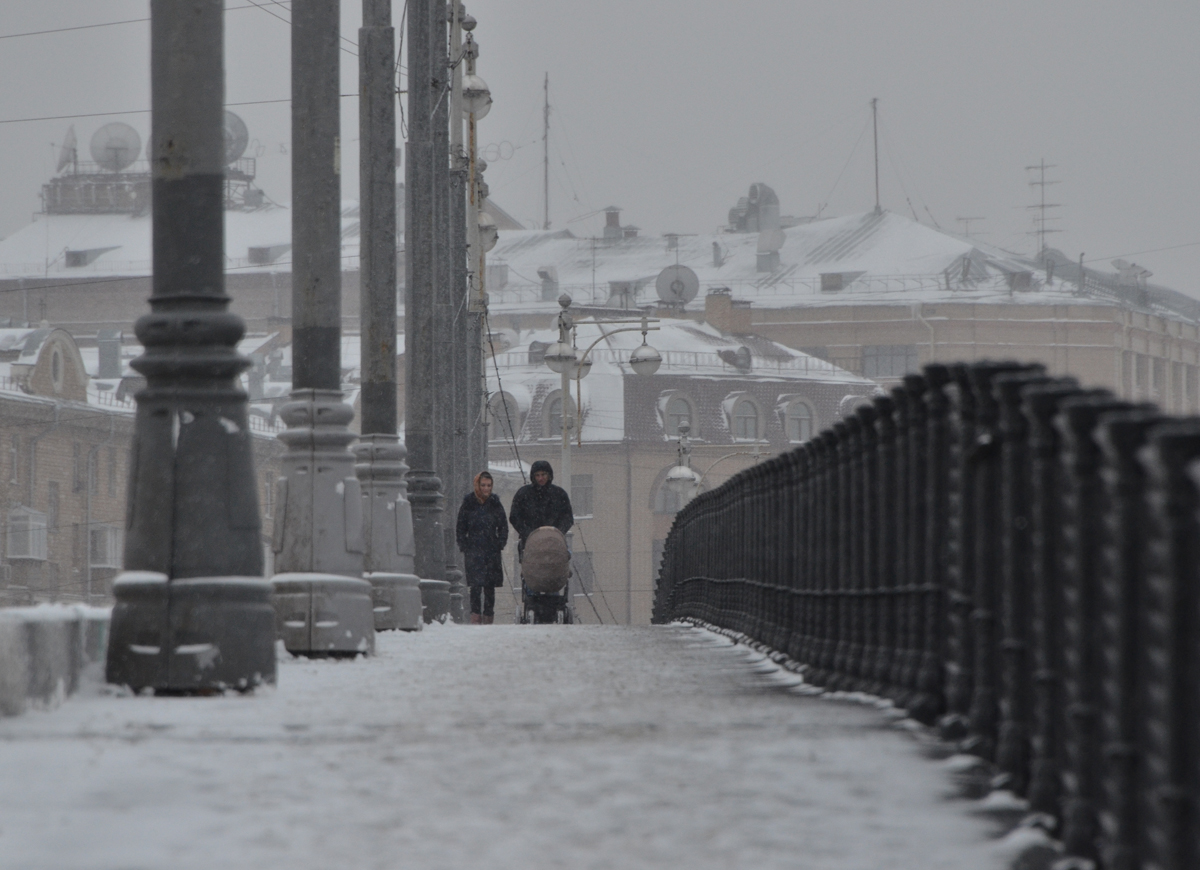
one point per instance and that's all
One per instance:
(546, 155)
(875, 132)
(1040, 221)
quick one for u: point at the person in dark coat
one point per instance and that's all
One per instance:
(482, 532)
(540, 503)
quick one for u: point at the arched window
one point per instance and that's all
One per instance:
(745, 420)
(798, 421)
(679, 412)
(505, 417)
(553, 415)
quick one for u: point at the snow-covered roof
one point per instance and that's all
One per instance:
(120, 244)
(873, 257)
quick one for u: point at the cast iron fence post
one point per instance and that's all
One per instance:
(1121, 436)
(884, 582)
(1012, 751)
(960, 571)
(1171, 630)
(985, 465)
(931, 675)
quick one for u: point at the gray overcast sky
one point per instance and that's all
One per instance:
(672, 109)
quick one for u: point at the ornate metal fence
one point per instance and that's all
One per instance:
(1004, 553)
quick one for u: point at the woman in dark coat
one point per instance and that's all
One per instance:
(482, 533)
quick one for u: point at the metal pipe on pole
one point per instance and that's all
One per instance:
(421, 347)
(387, 514)
(319, 537)
(190, 613)
(447, 355)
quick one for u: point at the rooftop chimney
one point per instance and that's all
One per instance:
(612, 222)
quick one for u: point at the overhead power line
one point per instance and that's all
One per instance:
(101, 24)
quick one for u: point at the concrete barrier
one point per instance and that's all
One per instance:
(43, 651)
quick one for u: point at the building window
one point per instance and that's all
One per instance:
(888, 360)
(104, 546)
(554, 415)
(56, 370)
(679, 413)
(268, 495)
(581, 495)
(798, 422)
(14, 459)
(52, 505)
(112, 471)
(745, 420)
(78, 472)
(505, 417)
(32, 463)
(26, 534)
(584, 571)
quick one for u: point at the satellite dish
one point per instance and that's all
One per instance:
(115, 146)
(237, 137)
(68, 155)
(677, 285)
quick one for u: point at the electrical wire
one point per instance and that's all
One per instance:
(102, 24)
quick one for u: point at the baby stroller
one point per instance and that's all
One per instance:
(545, 579)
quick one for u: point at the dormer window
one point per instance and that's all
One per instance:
(746, 420)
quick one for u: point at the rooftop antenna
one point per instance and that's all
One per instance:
(115, 146)
(68, 154)
(1040, 220)
(546, 155)
(966, 224)
(875, 131)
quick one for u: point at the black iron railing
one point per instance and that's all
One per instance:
(1005, 554)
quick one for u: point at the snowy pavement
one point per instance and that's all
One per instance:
(492, 747)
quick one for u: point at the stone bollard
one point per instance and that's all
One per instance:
(1121, 436)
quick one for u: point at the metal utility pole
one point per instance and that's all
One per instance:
(875, 133)
(189, 614)
(421, 346)
(546, 154)
(447, 303)
(319, 539)
(387, 515)
(476, 263)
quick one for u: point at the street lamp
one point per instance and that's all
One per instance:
(682, 479)
(563, 357)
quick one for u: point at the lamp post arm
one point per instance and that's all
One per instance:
(604, 335)
(723, 458)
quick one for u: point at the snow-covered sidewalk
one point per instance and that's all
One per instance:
(491, 747)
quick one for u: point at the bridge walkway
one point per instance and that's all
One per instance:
(491, 747)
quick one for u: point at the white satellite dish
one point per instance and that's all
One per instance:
(115, 146)
(237, 137)
(677, 285)
(68, 154)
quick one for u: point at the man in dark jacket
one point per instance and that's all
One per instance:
(541, 503)
(482, 532)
